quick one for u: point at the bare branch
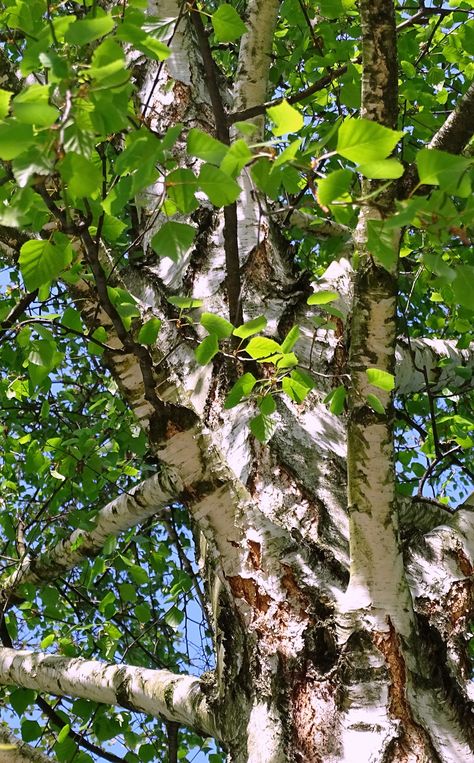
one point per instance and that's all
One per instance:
(159, 693)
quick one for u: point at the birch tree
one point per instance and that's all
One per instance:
(236, 342)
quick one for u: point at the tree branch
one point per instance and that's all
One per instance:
(159, 693)
(458, 129)
(126, 511)
(18, 751)
(231, 244)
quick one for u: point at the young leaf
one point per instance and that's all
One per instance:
(180, 186)
(336, 400)
(297, 385)
(267, 405)
(380, 242)
(108, 66)
(149, 331)
(205, 147)
(322, 297)
(242, 388)
(333, 186)
(31, 107)
(262, 427)
(185, 303)
(220, 188)
(290, 339)
(237, 156)
(87, 30)
(82, 177)
(286, 118)
(41, 261)
(383, 169)
(446, 170)
(206, 350)
(375, 403)
(361, 140)
(251, 327)
(381, 379)
(228, 26)
(173, 240)
(214, 324)
(262, 347)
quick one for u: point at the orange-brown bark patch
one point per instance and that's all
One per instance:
(413, 744)
(315, 720)
(248, 590)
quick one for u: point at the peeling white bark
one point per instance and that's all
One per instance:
(158, 693)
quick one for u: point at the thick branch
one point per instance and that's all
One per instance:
(458, 129)
(158, 693)
(255, 57)
(16, 751)
(128, 510)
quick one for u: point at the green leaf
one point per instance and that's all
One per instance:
(185, 303)
(375, 403)
(336, 400)
(48, 640)
(108, 66)
(5, 96)
(286, 118)
(228, 26)
(288, 154)
(251, 327)
(332, 9)
(290, 339)
(173, 240)
(31, 107)
(64, 733)
(149, 331)
(237, 156)
(220, 188)
(381, 379)
(242, 388)
(214, 324)
(42, 261)
(446, 170)
(262, 427)
(82, 177)
(87, 30)
(206, 350)
(383, 169)
(361, 140)
(205, 147)
(296, 387)
(21, 699)
(174, 617)
(463, 286)
(267, 405)
(381, 245)
(181, 186)
(333, 186)
(322, 297)
(143, 613)
(30, 730)
(14, 139)
(262, 347)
